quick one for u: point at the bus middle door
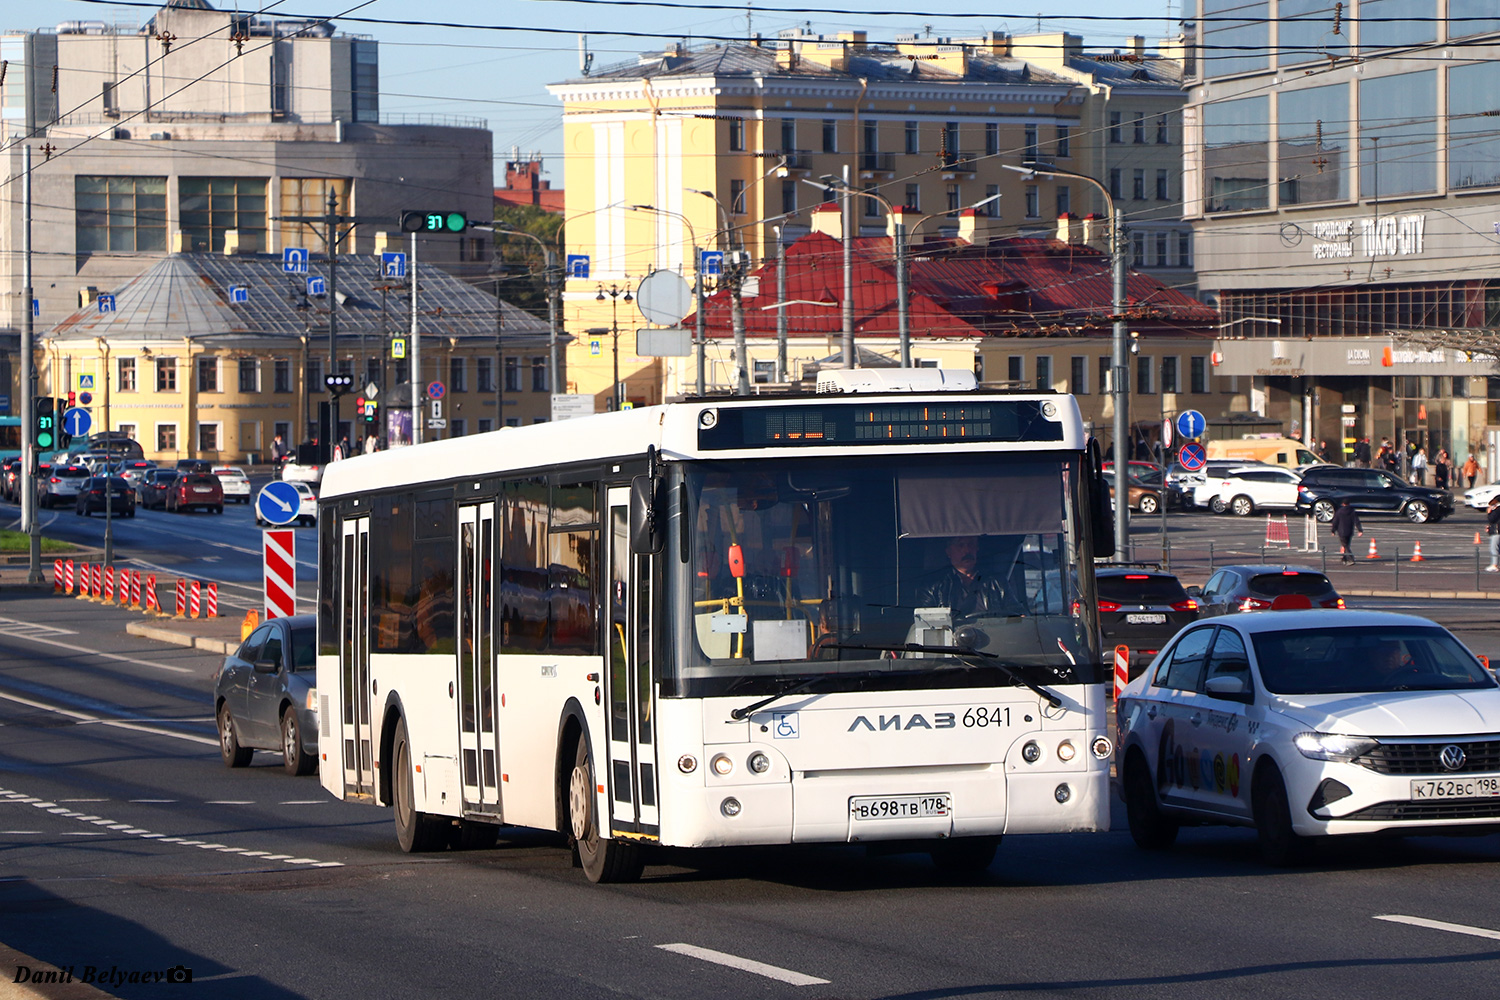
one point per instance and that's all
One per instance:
(479, 747)
(629, 691)
(354, 657)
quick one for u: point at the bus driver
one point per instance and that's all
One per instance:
(963, 589)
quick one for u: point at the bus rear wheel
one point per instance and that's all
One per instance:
(602, 860)
(415, 832)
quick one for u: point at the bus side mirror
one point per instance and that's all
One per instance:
(647, 520)
(1101, 511)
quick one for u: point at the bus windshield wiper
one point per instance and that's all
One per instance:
(802, 685)
(989, 660)
(808, 682)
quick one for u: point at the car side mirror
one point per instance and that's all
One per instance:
(1195, 592)
(266, 666)
(1229, 688)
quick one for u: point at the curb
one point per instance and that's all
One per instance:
(149, 630)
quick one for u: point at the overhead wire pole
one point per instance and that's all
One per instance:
(698, 297)
(29, 455)
(554, 311)
(734, 271)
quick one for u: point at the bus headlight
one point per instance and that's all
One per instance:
(1102, 747)
(687, 763)
(722, 765)
(708, 419)
(730, 807)
(1065, 751)
(1031, 752)
(759, 762)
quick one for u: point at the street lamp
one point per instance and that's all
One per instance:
(732, 271)
(1120, 388)
(698, 337)
(614, 314)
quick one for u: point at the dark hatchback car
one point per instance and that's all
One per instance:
(153, 488)
(265, 696)
(1265, 588)
(92, 500)
(10, 478)
(1141, 609)
(1372, 491)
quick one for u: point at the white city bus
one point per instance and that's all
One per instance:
(724, 621)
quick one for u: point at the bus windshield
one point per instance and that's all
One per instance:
(828, 566)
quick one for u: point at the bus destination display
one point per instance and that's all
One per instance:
(813, 424)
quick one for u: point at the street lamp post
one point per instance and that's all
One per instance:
(614, 330)
(699, 339)
(733, 272)
(1120, 385)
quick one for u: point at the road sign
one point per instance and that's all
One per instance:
(392, 265)
(1166, 434)
(77, 422)
(578, 265)
(86, 381)
(316, 287)
(278, 503)
(239, 293)
(1192, 456)
(106, 303)
(437, 409)
(85, 398)
(596, 348)
(280, 570)
(437, 425)
(294, 260)
(398, 348)
(711, 263)
(1190, 424)
(436, 390)
(372, 390)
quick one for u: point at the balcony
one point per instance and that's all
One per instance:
(880, 163)
(958, 163)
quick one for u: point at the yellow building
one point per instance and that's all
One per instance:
(718, 147)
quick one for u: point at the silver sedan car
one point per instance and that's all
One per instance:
(265, 696)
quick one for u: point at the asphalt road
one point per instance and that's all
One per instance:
(124, 843)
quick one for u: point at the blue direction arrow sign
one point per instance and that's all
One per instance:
(77, 421)
(1190, 424)
(1192, 456)
(578, 265)
(316, 287)
(392, 265)
(278, 503)
(106, 303)
(712, 262)
(294, 260)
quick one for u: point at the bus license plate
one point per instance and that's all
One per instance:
(1146, 619)
(870, 807)
(1456, 788)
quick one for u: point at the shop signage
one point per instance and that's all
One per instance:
(1385, 236)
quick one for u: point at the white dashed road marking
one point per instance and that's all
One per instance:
(743, 964)
(26, 633)
(1441, 925)
(20, 798)
(115, 723)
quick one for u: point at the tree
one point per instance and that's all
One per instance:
(519, 263)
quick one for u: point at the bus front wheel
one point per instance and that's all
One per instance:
(602, 860)
(415, 831)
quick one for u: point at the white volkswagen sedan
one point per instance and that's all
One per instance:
(1306, 724)
(1479, 496)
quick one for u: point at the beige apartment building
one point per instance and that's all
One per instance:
(727, 147)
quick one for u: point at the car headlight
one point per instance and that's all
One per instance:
(1333, 746)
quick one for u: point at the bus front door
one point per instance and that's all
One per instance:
(479, 745)
(354, 657)
(632, 721)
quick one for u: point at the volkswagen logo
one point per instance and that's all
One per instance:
(1453, 757)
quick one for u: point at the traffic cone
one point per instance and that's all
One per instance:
(1417, 555)
(252, 619)
(1372, 553)
(1476, 539)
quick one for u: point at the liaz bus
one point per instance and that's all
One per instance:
(860, 618)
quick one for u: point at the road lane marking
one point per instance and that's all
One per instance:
(94, 652)
(30, 630)
(115, 723)
(304, 802)
(229, 802)
(130, 830)
(743, 964)
(156, 801)
(1441, 925)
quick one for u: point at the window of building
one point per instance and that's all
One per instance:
(871, 207)
(1237, 36)
(125, 381)
(1163, 136)
(1137, 249)
(1015, 368)
(764, 372)
(1064, 142)
(1163, 184)
(120, 214)
(1114, 182)
(284, 429)
(208, 437)
(737, 197)
(372, 373)
(1044, 373)
(282, 375)
(512, 374)
(1064, 199)
(166, 437)
(736, 135)
(1138, 130)
(458, 427)
(313, 375)
(1138, 185)
(1104, 380)
(954, 198)
(913, 144)
(484, 374)
(1031, 152)
(309, 196)
(991, 138)
(1303, 35)
(871, 142)
(1161, 250)
(513, 421)
(129, 430)
(458, 375)
(991, 208)
(1460, 386)
(166, 374)
(788, 135)
(209, 207)
(249, 374)
(539, 374)
(1078, 377)
(486, 424)
(1115, 136)
(401, 372)
(913, 197)
(830, 135)
(1400, 111)
(1033, 202)
(1236, 142)
(1145, 368)
(950, 142)
(788, 197)
(1313, 144)
(1399, 22)
(1170, 375)
(208, 374)
(1198, 374)
(364, 72)
(1184, 249)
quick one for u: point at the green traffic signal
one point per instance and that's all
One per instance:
(434, 222)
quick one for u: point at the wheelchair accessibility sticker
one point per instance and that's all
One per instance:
(784, 725)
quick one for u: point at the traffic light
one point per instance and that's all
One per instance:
(46, 423)
(338, 384)
(434, 222)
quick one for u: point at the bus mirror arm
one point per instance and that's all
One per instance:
(647, 531)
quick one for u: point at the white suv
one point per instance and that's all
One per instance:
(1248, 489)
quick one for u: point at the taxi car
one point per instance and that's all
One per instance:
(1308, 724)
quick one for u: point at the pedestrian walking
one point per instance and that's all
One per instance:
(1419, 467)
(1362, 453)
(1345, 524)
(1442, 469)
(1471, 469)
(1492, 518)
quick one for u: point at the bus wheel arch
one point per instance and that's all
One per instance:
(572, 728)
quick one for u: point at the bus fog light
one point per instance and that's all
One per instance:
(730, 807)
(1102, 747)
(687, 763)
(1031, 752)
(722, 765)
(1062, 794)
(759, 763)
(1066, 751)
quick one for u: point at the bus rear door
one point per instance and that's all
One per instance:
(479, 745)
(354, 656)
(632, 739)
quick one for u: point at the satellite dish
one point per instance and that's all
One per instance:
(664, 297)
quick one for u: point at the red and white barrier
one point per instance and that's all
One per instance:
(1122, 669)
(135, 590)
(57, 576)
(96, 581)
(195, 598)
(280, 573)
(181, 602)
(211, 601)
(1277, 531)
(68, 570)
(107, 593)
(82, 592)
(153, 602)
